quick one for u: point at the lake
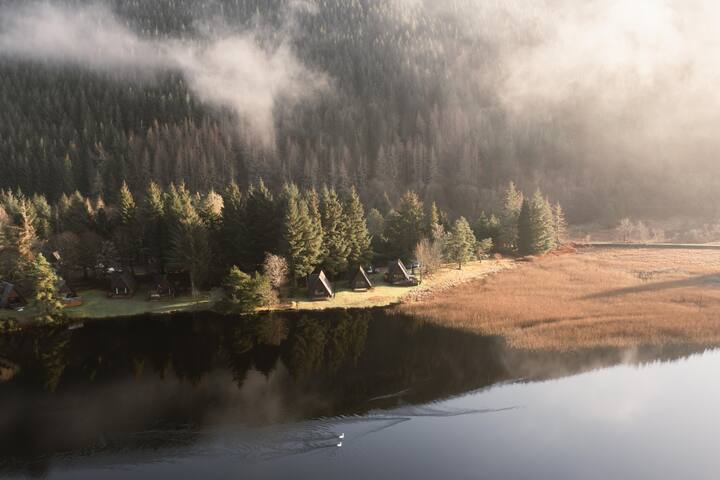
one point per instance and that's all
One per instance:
(207, 396)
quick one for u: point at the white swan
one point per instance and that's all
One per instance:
(341, 436)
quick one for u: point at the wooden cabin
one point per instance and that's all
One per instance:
(319, 287)
(10, 296)
(122, 285)
(68, 295)
(161, 288)
(360, 280)
(397, 274)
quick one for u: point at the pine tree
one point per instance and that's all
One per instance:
(559, 224)
(314, 241)
(358, 236)
(153, 212)
(244, 293)
(405, 226)
(45, 283)
(233, 224)
(432, 220)
(488, 227)
(190, 246)
(335, 236)
(536, 233)
(508, 239)
(297, 224)
(461, 243)
(262, 226)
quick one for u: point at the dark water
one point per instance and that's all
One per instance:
(217, 397)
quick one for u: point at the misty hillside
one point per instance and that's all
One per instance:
(451, 101)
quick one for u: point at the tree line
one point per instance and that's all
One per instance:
(249, 241)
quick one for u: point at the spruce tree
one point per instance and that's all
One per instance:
(262, 226)
(233, 224)
(508, 239)
(405, 226)
(314, 241)
(189, 240)
(335, 236)
(297, 225)
(358, 236)
(559, 224)
(536, 233)
(152, 214)
(461, 243)
(45, 283)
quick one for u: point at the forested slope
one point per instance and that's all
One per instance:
(411, 102)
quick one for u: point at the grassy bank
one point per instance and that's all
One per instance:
(597, 297)
(383, 295)
(98, 305)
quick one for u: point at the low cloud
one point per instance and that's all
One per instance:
(231, 70)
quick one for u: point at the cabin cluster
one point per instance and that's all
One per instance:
(320, 288)
(13, 296)
(122, 284)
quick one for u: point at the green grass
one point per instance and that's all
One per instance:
(98, 305)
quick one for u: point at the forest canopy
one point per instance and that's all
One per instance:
(449, 99)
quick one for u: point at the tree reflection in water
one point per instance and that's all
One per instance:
(153, 382)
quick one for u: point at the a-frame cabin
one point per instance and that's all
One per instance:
(360, 280)
(319, 287)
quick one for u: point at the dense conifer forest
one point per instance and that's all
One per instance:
(411, 103)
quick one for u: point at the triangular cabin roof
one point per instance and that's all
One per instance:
(398, 268)
(319, 283)
(8, 292)
(360, 280)
(122, 280)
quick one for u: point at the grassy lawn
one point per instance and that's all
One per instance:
(98, 305)
(383, 294)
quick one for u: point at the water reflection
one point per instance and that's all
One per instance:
(154, 387)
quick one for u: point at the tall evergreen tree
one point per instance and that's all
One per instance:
(152, 214)
(461, 243)
(314, 241)
(359, 238)
(559, 224)
(536, 233)
(262, 225)
(233, 224)
(334, 223)
(45, 284)
(405, 226)
(508, 239)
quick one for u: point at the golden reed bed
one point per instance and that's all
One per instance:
(594, 298)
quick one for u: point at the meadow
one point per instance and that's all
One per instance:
(593, 298)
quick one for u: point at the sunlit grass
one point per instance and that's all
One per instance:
(596, 298)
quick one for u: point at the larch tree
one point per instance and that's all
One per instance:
(461, 243)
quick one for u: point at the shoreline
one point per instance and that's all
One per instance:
(97, 306)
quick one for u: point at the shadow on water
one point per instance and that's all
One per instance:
(149, 383)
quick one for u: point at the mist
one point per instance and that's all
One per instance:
(228, 70)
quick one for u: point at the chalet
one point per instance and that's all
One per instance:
(10, 296)
(122, 285)
(360, 280)
(397, 274)
(68, 295)
(319, 287)
(161, 288)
